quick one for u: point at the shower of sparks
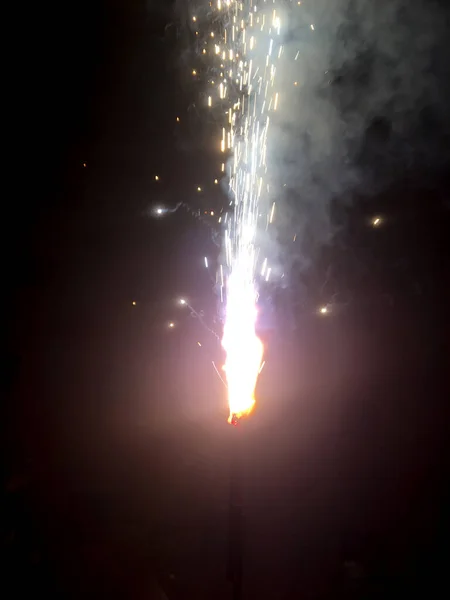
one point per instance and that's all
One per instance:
(246, 48)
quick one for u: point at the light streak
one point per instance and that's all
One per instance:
(272, 213)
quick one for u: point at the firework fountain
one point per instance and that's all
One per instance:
(245, 50)
(246, 46)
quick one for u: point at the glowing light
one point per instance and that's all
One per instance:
(212, 213)
(312, 27)
(171, 325)
(198, 344)
(182, 301)
(206, 262)
(134, 303)
(178, 119)
(84, 165)
(323, 310)
(376, 221)
(156, 177)
(199, 189)
(216, 181)
(194, 72)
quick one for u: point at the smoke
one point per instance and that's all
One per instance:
(364, 91)
(364, 101)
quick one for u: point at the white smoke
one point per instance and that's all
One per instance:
(364, 99)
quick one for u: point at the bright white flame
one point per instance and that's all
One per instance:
(243, 348)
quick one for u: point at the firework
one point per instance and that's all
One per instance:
(248, 49)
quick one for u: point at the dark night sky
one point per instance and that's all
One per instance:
(114, 436)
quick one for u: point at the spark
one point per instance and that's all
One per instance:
(171, 325)
(134, 303)
(323, 310)
(206, 262)
(199, 189)
(376, 221)
(156, 177)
